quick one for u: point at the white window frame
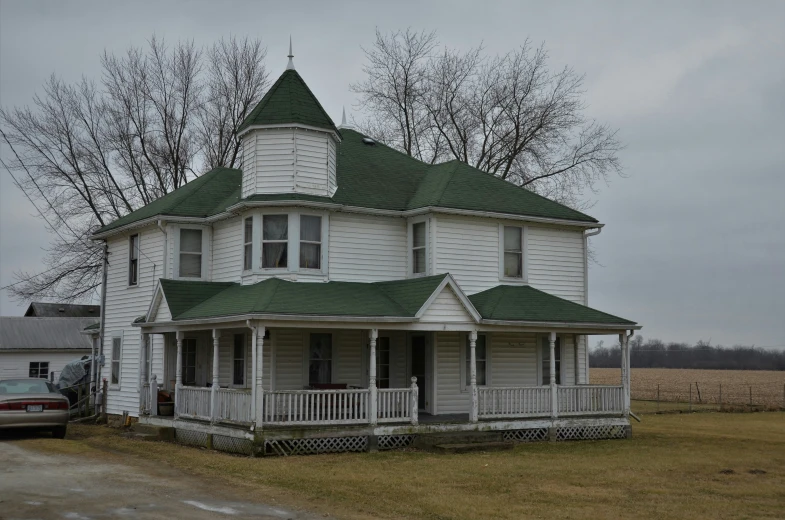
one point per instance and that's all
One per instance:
(524, 246)
(410, 247)
(465, 387)
(248, 243)
(288, 242)
(206, 241)
(38, 369)
(138, 258)
(118, 360)
(244, 359)
(541, 358)
(321, 218)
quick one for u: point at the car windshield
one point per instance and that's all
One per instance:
(26, 386)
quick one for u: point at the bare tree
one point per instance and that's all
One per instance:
(510, 115)
(89, 153)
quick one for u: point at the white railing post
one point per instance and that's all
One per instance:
(154, 395)
(415, 404)
(216, 375)
(554, 395)
(373, 335)
(145, 376)
(259, 377)
(178, 381)
(473, 415)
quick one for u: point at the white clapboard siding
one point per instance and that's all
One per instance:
(311, 153)
(347, 356)
(123, 305)
(289, 362)
(451, 397)
(249, 164)
(555, 261)
(163, 313)
(227, 250)
(513, 359)
(332, 180)
(446, 308)
(273, 161)
(367, 249)
(468, 249)
(17, 364)
(398, 373)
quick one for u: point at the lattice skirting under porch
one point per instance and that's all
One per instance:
(316, 445)
(191, 438)
(232, 445)
(529, 435)
(394, 442)
(570, 433)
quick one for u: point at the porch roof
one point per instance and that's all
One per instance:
(523, 303)
(193, 300)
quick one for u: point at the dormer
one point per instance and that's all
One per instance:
(289, 142)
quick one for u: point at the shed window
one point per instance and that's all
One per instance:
(418, 248)
(513, 252)
(133, 260)
(310, 242)
(117, 343)
(275, 235)
(191, 253)
(248, 244)
(238, 360)
(320, 359)
(480, 353)
(546, 361)
(189, 361)
(39, 369)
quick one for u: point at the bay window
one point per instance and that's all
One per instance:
(190, 253)
(275, 238)
(248, 243)
(310, 242)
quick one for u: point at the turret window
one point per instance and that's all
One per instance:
(275, 237)
(310, 242)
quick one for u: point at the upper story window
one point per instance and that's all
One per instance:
(275, 238)
(190, 253)
(248, 244)
(117, 346)
(513, 252)
(419, 255)
(310, 242)
(133, 260)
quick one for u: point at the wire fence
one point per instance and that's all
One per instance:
(693, 397)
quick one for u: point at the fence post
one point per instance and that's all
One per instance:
(690, 397)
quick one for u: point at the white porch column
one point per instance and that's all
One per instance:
(373, 335)
(554, 395)
(153, 402)
(259, 376)
(178, 381)
(625, 371)
(144, 393)
(474, 413)
(216, 375)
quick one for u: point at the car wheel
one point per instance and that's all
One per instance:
(59, 432)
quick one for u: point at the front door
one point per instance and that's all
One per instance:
(419, 367)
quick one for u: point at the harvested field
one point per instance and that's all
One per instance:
(719, 388)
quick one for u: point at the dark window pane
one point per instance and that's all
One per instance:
(248, 230)
(512, 238)
(320, 362)
(247, 260)
(418, 260)
(310, 256)
(274, 255)
(191, 240)
(275, 227)
(239, 372)
(513, 265)
(418, 234)
(190, 265)
(311, 228)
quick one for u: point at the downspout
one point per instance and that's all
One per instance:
(586, 289)
(97, 373)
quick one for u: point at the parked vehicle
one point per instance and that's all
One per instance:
(33, 404)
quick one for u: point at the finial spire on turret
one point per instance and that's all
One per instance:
(343, 117)
(290, 65)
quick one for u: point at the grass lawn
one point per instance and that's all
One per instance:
(707, 465)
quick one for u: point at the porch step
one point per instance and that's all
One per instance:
(151, 432)
(426, 441)
(473, 446)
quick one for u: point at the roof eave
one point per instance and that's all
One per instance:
(333, 132)
(565, 325)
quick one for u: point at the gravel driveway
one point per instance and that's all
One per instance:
(35, 485)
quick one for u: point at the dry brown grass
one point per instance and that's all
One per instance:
(676, 466)
(768, 386)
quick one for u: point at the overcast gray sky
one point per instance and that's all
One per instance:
(694, 243)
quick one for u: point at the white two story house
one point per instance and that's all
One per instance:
(335, 294)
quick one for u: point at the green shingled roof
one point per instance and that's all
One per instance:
(289, 101)
(194, 300)
(525, 303)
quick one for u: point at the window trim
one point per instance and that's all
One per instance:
(206, 245)
(135, 268)
(249, 257)
(541, 359)
(38, 369)
(465, 387)
(119, 360)
(524, 278)
(288, 243)
(300, 241)
(410, 247)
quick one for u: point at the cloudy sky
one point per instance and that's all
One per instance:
(694, 243)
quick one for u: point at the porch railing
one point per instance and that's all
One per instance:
(194, 402)
(514, 401)
(590, 399)
(317, 407)
(394, 405)
(234, 405)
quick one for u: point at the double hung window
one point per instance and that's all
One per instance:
(133, 260)
(190, 253)
(275, 238)
(248, 244)
(513, 252)
(419, 255)
(310, 242)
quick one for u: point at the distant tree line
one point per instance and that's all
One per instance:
(654, 353)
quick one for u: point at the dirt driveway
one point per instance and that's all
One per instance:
(34, 485)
